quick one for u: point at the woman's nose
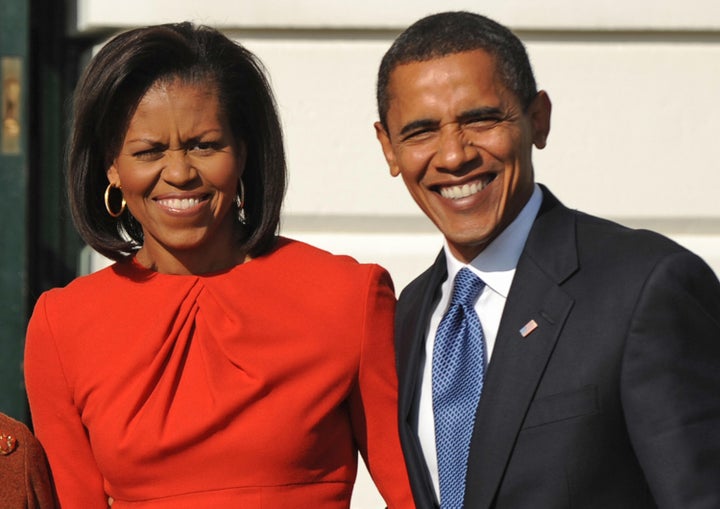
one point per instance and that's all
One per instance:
(178, 169)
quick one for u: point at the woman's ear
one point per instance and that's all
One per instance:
(113, 176)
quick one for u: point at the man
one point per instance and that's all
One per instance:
(603, 382)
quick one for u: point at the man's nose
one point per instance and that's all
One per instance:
(454, 149)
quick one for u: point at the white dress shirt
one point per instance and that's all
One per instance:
(495, 265)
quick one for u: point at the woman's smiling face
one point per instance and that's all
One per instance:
(179, 168)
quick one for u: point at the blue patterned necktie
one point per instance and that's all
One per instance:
(458, 372)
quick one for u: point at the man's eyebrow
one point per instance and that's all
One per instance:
(465, 116)
(478, 113)
(423, 123)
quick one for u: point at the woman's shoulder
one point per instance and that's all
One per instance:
(88, 283)
(294, 261)
(10, 431)
(16, 435)
(94, 289)
(295, 253)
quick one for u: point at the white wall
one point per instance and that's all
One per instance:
(635, 89)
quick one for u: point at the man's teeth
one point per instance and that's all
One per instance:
(457, 192)
(180, 204)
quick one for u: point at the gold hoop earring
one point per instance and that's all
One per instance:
(123, 203)
(240, 203)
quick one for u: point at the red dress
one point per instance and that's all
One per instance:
(250, 388)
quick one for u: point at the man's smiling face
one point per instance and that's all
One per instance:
(462, 143)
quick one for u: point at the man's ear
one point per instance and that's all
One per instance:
(539, 112)
(387, 148)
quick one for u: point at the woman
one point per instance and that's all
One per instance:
(214, 365)
(25, 481)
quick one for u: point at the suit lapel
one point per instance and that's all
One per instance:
(414, 310)
(518, 361)
(413, 316)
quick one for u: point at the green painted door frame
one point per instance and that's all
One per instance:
(38, 247)
(14, 177)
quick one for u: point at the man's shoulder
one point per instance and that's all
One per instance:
(562, 227)
(606, 236)
(609, 253)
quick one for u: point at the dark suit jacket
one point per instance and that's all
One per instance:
(613, 401)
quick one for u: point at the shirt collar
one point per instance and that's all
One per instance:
(497, 262)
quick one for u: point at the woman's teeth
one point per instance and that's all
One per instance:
(180, 204)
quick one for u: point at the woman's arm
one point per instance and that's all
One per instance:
(373, 402)
(56, 420)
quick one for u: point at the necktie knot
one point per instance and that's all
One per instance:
(466, 288)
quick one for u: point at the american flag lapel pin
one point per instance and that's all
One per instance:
(527, 329)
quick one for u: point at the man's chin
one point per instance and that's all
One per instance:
(466, 248)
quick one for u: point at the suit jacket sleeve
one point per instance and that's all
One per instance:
(373, 402)
(57, 420)
(671, 383)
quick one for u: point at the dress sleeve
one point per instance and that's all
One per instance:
(56, 419)
(671, 383)
(373, 402)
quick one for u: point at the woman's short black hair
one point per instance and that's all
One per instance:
(108, 93)
(445, 33)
